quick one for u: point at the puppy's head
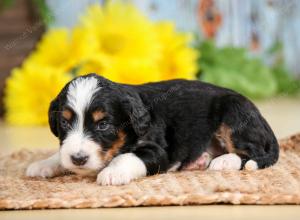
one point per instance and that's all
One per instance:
(95, 120)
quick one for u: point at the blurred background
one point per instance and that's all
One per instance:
(251, 46)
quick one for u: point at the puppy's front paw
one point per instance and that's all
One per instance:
(113, 176)
(43, 168)
(226, 162)
(121, 170)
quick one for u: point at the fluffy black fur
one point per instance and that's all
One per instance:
(172, 121)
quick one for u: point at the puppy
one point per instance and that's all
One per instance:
(123, 132)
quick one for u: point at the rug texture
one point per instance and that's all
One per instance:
(279, 184)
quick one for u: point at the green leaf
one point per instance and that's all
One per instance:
(287, 85)
(232, 68)
(44, 11)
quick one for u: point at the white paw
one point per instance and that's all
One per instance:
(174, 167)
(113, 176)
(226, 162)
(251, 165)
(121, 170)
(44, 169)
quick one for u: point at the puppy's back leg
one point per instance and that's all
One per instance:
(247, 134)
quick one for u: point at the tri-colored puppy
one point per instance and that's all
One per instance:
(123, 132)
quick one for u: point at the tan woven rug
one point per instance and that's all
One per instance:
(279, 184)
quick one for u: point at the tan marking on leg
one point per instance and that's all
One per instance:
(224, 136)
(216, 149)
(98, 115)
(114, 149)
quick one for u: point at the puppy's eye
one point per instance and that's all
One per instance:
(102, 126)
(64, 124)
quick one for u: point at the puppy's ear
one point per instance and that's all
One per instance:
(139, 115)
(53, 116)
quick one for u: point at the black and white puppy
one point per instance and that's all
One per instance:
(122, 132)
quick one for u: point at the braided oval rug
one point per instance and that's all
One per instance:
(279, 184)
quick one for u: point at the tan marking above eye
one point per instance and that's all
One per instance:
(98, 115)
(67, 114)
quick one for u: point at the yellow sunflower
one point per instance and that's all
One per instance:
(63, 49)
(115, 41)
(128, 49)
(29, 91)
(121, 30)
(178, 59)
(132, 49)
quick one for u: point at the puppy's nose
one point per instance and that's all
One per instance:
(79, 159)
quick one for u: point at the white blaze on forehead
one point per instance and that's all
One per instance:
(80, 95)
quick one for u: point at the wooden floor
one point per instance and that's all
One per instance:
(212, 212)
(282, 114)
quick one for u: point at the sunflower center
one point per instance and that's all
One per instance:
(113, 43)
